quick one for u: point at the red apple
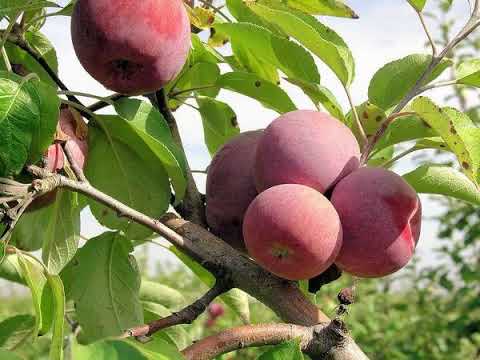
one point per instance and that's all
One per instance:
(130, 46)
(293, 231)
(381, 220)
(308, 148)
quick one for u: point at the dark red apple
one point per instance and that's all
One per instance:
(130, 46)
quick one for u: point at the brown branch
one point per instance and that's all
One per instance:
(472, 24)
(102, 104)
(184, 316)
(282, 296)
(380, 132)
(17, 39)
(74, 165)
(329, 341)
(193, 205)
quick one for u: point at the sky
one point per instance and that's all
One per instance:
(387, 30)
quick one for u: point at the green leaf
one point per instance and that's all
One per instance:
(67, 9)
(270, 95)
(468, 72)
(392, 82)
(458, 132)
(161, 294)
(48, 105)
(204, 275)
(34, 276)
(55, 227)
(10, 269)
(219, 122)
(147, 125)
(19, 118)
(321, 7)
(202, 52)
(28, 118)
(443, 180)
(316, 37)
(382, 156)
(175, 335)
(16, 331)
(140, 179)
(417, 4)
(12, 6)
(236, 299)
(405, 129)
(287, 351)
(156, 349)
(105, 267)
(240, 11)
(8, 355)
(43, 47)
(107, 350)
(62, 232)
(287, 56)
(56, 347)
(249, 62)
(320, 96)
(202, 74)
(371, 117)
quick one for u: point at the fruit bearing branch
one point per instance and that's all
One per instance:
(282, 296)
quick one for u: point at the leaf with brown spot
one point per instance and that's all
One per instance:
(457, 130)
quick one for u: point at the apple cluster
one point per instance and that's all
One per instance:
(296, 198)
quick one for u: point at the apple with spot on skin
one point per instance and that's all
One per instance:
(381, 221)
(305, 147)
(131, 47)
(293, 231)
(231, 187)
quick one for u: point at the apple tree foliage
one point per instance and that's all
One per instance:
(253, 48)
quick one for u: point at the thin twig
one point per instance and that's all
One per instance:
(6, 59)
(193, 208)
(17, 40)
(102, 104)
(74, 165)
(427, 32)
(388, 163)
(80, 107)
(82, 94)
(216, 9)
(383, 127)
(355, 116)
(438, 85)
(472, 24)
(186, 91)
(184, 316)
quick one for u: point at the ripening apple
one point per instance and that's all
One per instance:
(293, 231)
(381, 220)
(130, 46)
(305, 147)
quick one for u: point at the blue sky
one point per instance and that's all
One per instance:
(387, 30)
